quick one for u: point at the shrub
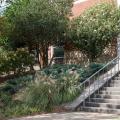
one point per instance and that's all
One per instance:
(16, 62)
(5, 98)
(94, 67)
(69, 87)
(18, 109)
(13, 85)
(9, 106)
(41, 93)
(45, 92)
(56, 71)
(95, 29)
(91, 69)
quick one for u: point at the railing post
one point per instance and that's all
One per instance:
(94, 84)
(98, 82)
(84, 95)
(89, 90)
(107, 76)
(118, 63)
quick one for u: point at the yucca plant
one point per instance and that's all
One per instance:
(69, 87)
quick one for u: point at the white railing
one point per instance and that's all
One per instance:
(93, 84)
(100, 78)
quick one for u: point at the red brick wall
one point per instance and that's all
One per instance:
(81, 7)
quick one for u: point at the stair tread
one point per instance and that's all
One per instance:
(102, 103)
(107, 95)
(112, 92)
(106, 100)
(99, 108)
(102, 98)
(113, 87)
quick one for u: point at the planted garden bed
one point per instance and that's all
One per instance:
(51, 87)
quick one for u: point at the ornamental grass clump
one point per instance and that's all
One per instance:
(42, 93)
(45, 93)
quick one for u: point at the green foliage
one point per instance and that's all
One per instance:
(38, 22)
(5, 98)
(69, 87)
(56, 71)
(13, 85)
(92, 68)
(41, 93)
(2, 26)
(4, 42)
(18, 109)
(25, 96)
(16, 62)
(45, 93)
(95, 29)
(10, 107)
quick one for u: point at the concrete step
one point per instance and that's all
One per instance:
(112, 96)
(111, 88)
(115, 81)
(105, 105)
(104, 100)
(113, 85)
(117, 77)
(110, 92)
(100, 109)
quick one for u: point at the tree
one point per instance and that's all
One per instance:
(39, 23)
(95, 29)
(1, 25)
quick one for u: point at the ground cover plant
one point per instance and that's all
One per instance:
(49, 88)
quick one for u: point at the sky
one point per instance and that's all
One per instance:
(2, 7)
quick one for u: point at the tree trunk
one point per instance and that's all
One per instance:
(30, 50)
(38, 55)
(44, 57)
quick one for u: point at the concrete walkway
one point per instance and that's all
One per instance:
(72, 116)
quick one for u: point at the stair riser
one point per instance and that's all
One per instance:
(115, 101)
(112, 88)
(100, 110)
(107, 100)
(115, 81)
(110, 92)
(108, 96)
(112, 106)
(117, 78)
(114, 85)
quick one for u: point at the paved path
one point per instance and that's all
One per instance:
(72, 116)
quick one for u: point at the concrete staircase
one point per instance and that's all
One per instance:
(106, 100)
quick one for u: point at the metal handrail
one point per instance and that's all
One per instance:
(99, 70)
(98, 80)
